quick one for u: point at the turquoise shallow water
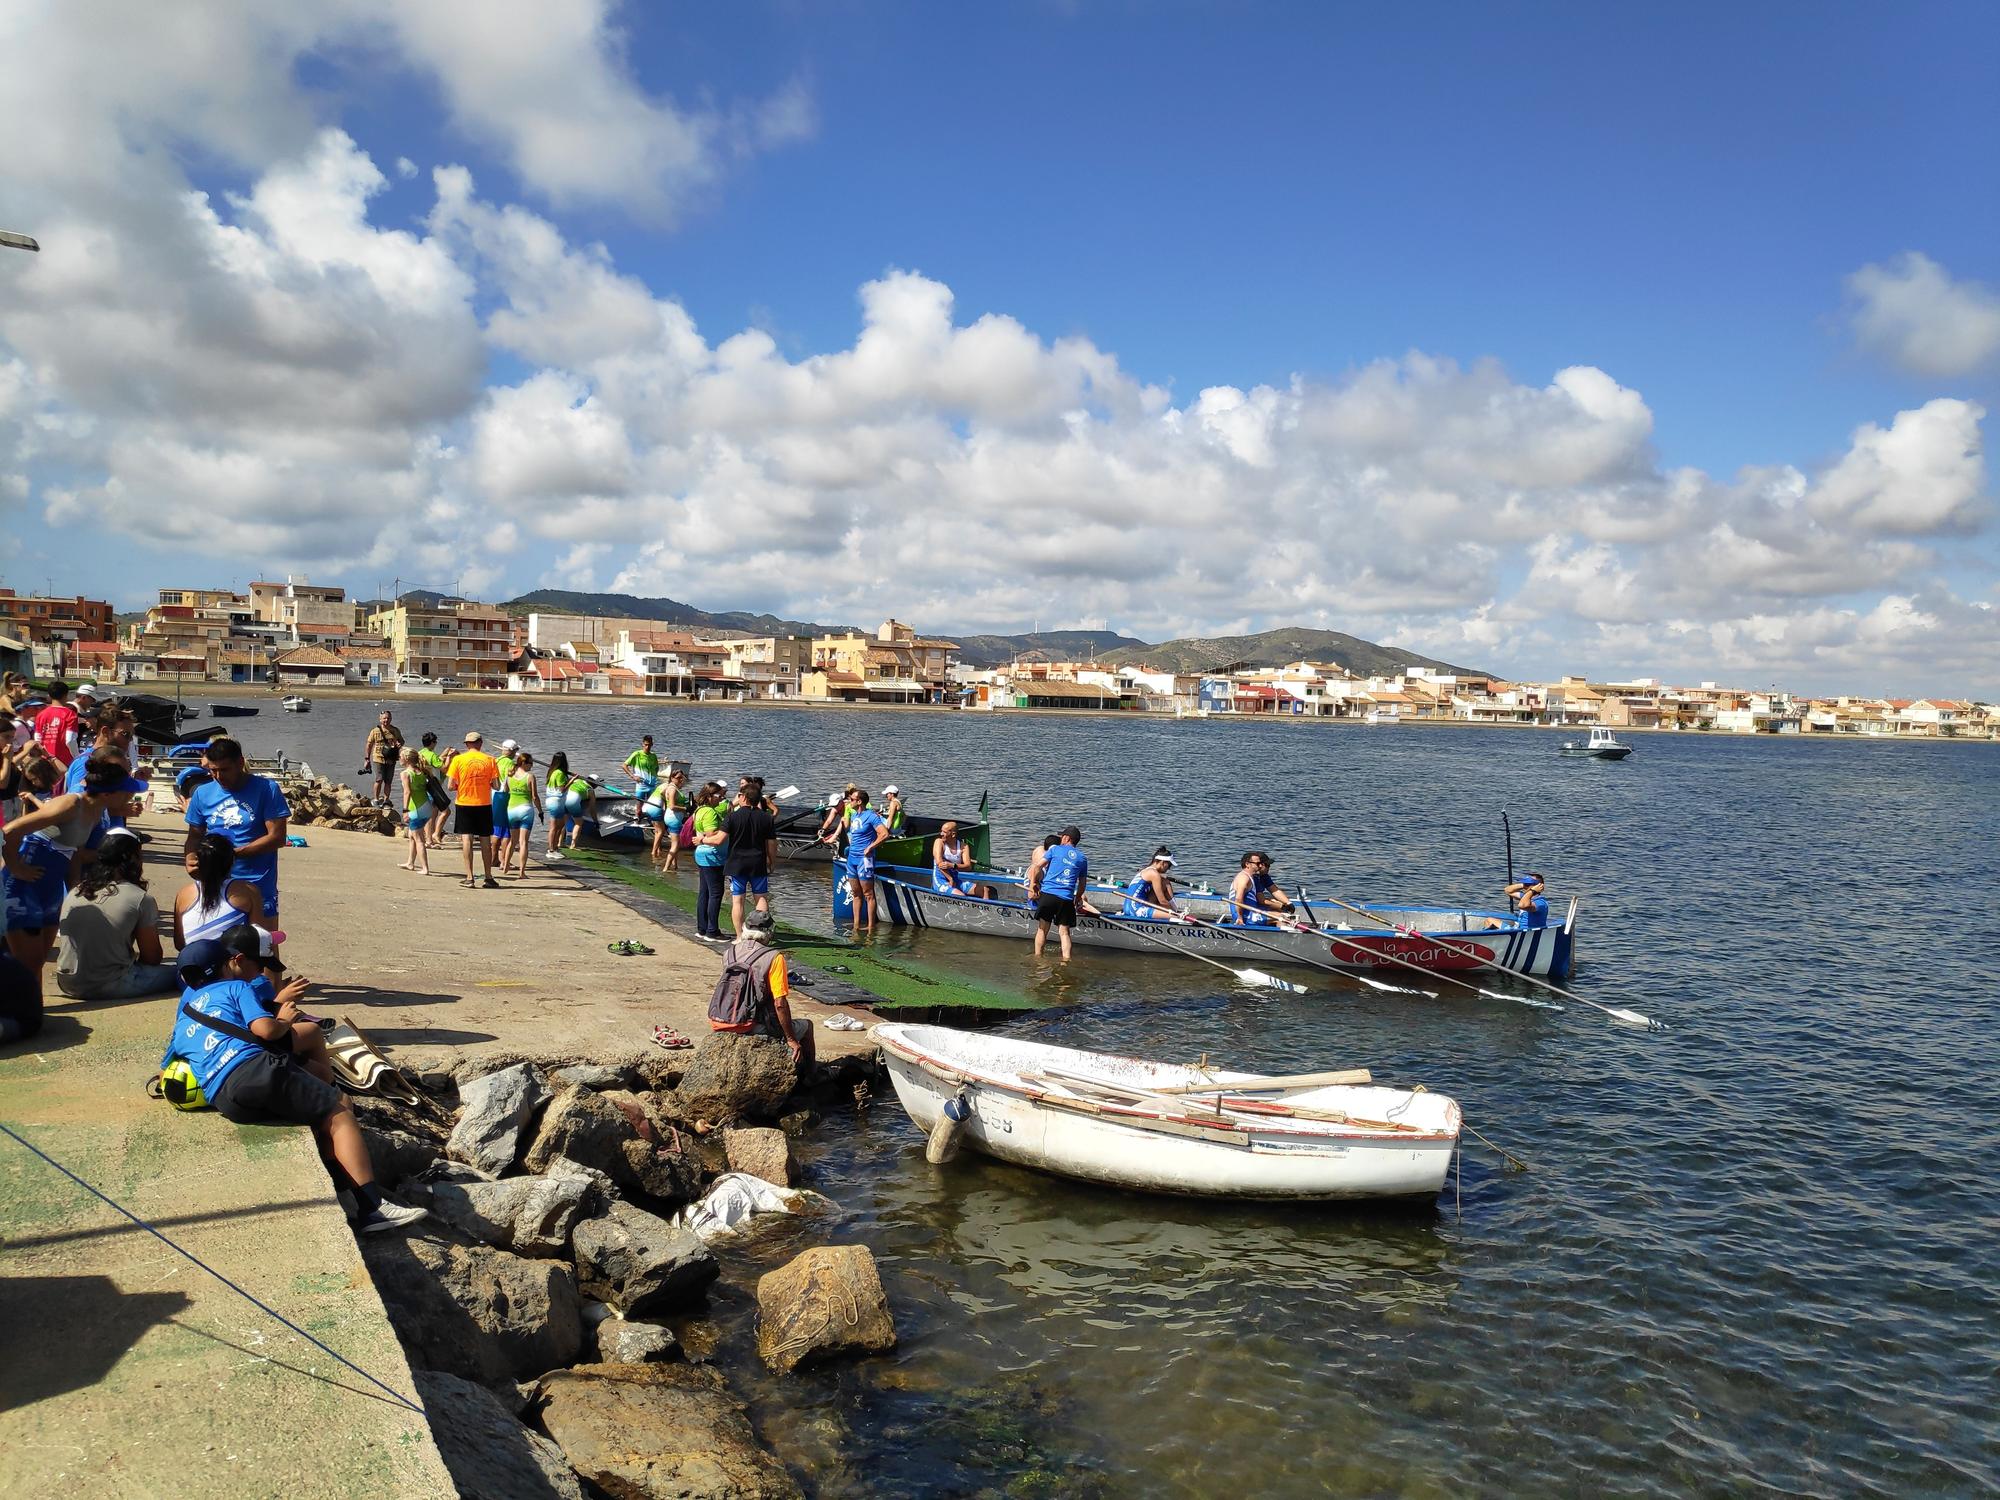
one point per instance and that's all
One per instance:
(1756, 1254)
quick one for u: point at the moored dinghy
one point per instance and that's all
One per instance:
(1173, 1128)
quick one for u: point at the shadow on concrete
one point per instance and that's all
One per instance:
(428, 1036)
(81, 1326)
(126, 1226)
(60, 1004)
(58, 1034)
(327, 993)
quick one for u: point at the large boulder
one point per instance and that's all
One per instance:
(616, 1138)
(823, 1304)
(623, 1343)
(397, 1154)
(481, 1314)
(528, 1215)
(659, 1432)
(495, 1110)
(639, 1263)
(762, 1152)
(585, 1075)
(731, 1076)
(491, 1456)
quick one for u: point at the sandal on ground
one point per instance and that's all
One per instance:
(672, 1040)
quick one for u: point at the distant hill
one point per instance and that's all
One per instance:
(666, 611)
(1274, 648)
(1059, 645)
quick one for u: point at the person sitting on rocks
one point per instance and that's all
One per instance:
(750, 998)
(243, 1057)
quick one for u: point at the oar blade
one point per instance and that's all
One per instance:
(786, 793)
(1395, 989)
(1269, 981)
(1633, 1019)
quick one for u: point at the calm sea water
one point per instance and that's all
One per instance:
(1757, 1254)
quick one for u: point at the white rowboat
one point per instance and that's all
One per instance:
(1116, 1121)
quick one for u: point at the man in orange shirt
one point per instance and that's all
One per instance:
(471, 776)
(751, 998)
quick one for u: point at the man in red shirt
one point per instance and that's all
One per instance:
(55, 726)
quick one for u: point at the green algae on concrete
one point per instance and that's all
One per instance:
(904, 990)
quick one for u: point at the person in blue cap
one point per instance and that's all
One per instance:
(1528, 900)
(242, 1055)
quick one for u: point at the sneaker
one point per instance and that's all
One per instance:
(388, 1215)
(553, 854)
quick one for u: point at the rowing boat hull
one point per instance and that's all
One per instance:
(1444, 941)
(1180, 1148)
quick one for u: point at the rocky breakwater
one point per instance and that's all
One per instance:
(575, 1210)
(328, 804)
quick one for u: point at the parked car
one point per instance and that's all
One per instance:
(413, 680)
(450, 682)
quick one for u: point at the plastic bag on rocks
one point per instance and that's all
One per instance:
(736, 1198)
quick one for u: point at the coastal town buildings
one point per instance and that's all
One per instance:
(894, 665)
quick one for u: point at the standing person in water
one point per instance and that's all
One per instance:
(866, 829)
(416, 778)
(1150, 893)
(523, 809)
(645, 768)
(1064, 874)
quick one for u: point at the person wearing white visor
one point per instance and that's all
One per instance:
(892, 810)
(1150, 893)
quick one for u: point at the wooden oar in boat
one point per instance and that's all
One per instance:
(1251, 1109)
(1619, 1014)
(1284, 1083)
(1247, 976)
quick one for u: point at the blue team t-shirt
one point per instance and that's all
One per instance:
(1064, 874)
(860, 834)
(212, 1055)
(1535, 912)
(240, 816)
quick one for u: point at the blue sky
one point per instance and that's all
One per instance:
(1197, 198)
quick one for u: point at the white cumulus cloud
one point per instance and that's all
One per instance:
(1913, 313)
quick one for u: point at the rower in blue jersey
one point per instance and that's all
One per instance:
(1060, 896)
(1150, 893)
(1253, 896)
(1528, 899)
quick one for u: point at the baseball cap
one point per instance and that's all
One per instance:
(472, 736)
(255, 942)
(1073, 833)
(758, 921)
(892, 791)
(201, 962)
(190, 778)
(510, 744)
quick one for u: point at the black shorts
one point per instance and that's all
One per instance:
(1060, 910)
(477, 821)
(266, 1089)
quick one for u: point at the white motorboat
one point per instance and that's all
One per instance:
(297, 705)
(1168, 1127)
(1602, 745)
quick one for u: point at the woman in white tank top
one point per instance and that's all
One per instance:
(212, 903)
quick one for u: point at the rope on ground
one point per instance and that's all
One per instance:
(393, 1394)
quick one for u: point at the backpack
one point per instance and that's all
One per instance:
(742, 995)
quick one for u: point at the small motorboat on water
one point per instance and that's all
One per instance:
(296, 705)
(232, 711)
(1602, 745)
(1440, 938)
(1169, 1127)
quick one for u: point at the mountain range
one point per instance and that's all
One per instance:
(1271, 648)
